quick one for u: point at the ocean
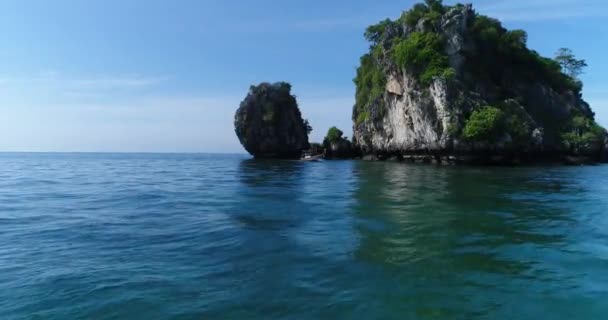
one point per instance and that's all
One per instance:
(201, 236)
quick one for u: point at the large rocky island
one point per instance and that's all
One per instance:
(269, 124)
(445, 84)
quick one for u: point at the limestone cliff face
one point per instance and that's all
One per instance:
(408, 115)
(268, 123)
(413, 120)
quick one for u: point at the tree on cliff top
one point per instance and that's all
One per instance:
(308, 126)
(333, 134)
(570, 65)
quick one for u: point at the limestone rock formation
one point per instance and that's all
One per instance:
(337, 146)
(341, 149)
(269, 124)
(446, 83)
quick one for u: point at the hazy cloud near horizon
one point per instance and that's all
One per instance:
(147, 123)
(168, 76)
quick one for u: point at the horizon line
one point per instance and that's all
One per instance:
(128, 152)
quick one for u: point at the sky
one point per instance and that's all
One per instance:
(167, 76)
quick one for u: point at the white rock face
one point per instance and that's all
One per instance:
(537, 137)
(414, 121)
(394, 86)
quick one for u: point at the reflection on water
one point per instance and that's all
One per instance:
(467, 242)
(224, 237)
(391, 240)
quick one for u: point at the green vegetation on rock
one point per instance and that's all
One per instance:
(371, 84)
(362, 117)
(269, 124)
(486, 125)
(374, 33)
(532, 103)
(502, 57)
(336, 145)
(308, 126)
(583, 133)
(489, 124)
(333, 134)
(430, 12)
(422, 53)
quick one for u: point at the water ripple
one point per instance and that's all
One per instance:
(115, 236)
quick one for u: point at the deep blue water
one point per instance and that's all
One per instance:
(143, 236)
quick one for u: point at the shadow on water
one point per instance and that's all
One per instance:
(296, 234)
(362, 240)
(269, 193)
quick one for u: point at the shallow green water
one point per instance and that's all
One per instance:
(111, 236)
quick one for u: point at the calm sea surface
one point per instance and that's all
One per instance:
(130, 236)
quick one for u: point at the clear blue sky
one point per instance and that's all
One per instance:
(151, 75)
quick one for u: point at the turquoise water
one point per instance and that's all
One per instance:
(117, 236)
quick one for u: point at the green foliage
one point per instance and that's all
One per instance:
(308, 126)
(489, 123)
(518, 129)
(269, 115)
(485, 124)
(500, 59)
(435, 5)
(487, 30)
(503, 55)
(594, 135)
(370, 82)
(583, 132)
(333, 134)
(430, 11)
(422, 53)
(448, 74)
(362, 117)
(278, 89)
(415, 49)
(569, 64)
(271, 97)
(374, 33)
(517, 124)
(378, 53)
(412, 16)
(580, 122)
(453, 129)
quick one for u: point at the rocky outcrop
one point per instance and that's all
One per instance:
(340, 149)
(420, 106)
(337, 146)
(268, 123)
